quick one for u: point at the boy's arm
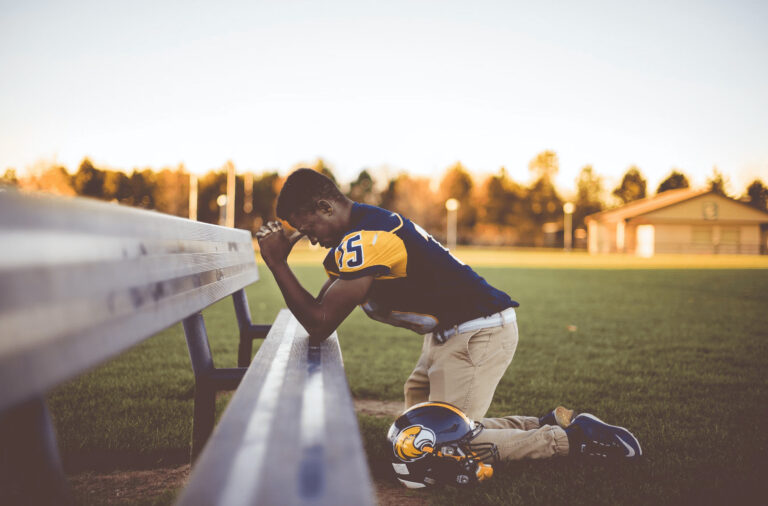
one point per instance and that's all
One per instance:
(319, 316)
(326, 286)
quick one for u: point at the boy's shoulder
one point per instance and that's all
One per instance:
(371, 240)
(367, 217)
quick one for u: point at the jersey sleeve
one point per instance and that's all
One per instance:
(371, 252)
(331, 269)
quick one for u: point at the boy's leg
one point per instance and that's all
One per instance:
(560, 416)
(511, 422)
(416, 387)
(515, 444)
(466, 369)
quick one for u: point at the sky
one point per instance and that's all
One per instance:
(388, 86)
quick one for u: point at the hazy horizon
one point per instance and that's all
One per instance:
(413, 86)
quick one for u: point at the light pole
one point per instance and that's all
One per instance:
(451, 205)
(248, 197)
(230, 216)
(222, 201)
(568, 225)
(192, 196)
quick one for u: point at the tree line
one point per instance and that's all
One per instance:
(496, 210)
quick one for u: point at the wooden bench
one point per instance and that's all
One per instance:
(80, 282)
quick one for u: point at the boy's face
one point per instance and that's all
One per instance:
(320, 226)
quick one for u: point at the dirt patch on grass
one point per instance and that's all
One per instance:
(130, 487)
(121, 487)
(127, 487)
(373, 407)
(389, 493)
(106, 461)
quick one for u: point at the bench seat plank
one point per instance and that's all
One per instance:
(83, 280)
(289, 434)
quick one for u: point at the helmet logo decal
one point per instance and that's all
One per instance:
(412, 443)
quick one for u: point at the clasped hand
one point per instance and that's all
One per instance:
(274, 242)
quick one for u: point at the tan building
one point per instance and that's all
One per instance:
(679, 221)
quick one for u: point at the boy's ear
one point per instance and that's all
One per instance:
(325, 207)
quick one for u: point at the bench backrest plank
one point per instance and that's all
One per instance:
(289, 434)
(83, 280)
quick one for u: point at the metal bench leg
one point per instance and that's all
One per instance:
(248, 331)
(208, 381)
(30, 465)
(205, 414)
(205, 395)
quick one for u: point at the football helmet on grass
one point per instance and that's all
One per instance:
(432, 444)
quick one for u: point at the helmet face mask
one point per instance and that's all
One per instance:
(432, 444)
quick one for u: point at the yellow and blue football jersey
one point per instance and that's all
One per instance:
(418, 284)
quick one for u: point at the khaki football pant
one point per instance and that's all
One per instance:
(465, 371)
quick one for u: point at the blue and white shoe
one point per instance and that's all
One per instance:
(589, 436)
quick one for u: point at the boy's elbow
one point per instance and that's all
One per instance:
(319, 331)
(318, 335)
(322, 323)
(317, 339)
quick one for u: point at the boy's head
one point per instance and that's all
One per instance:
(314, 206)
(302, 190)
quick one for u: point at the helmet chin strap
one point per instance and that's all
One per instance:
(484, 471)
(438, 453)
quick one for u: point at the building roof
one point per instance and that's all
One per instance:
(647, 204)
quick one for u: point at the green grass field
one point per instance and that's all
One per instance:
(675, 350)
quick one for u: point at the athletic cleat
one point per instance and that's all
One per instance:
(589, 436)
(559, 416)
